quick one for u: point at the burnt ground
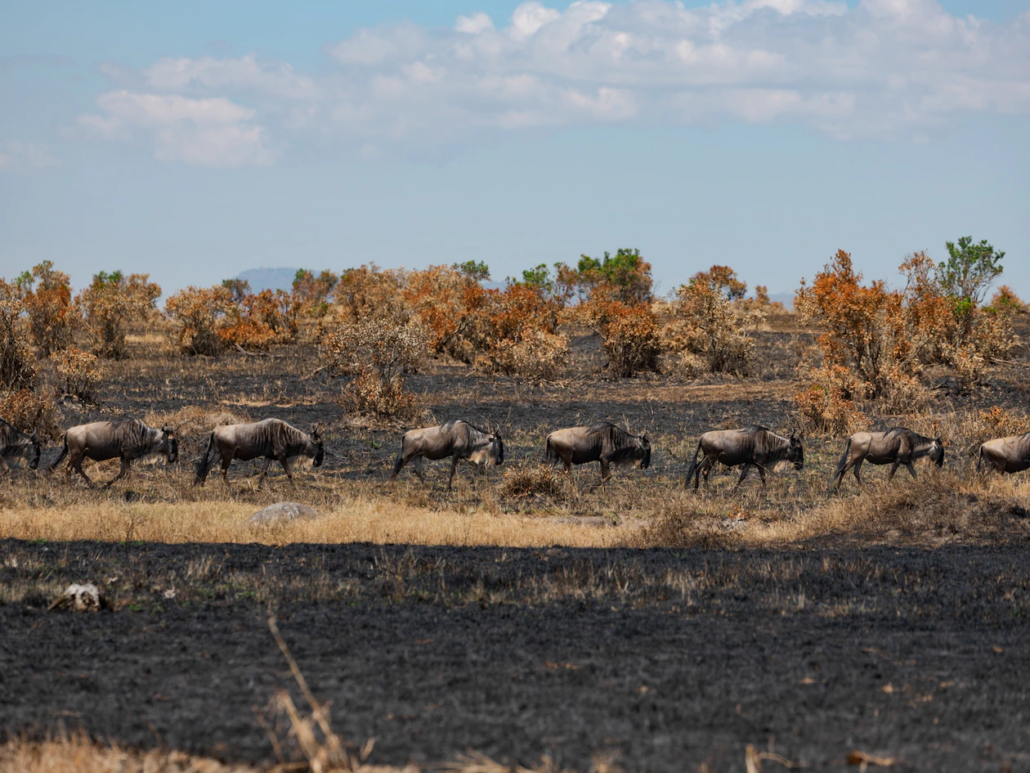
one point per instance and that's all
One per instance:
(666, 658)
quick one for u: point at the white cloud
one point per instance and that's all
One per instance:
(212, 131)
(274, 79)
(23, 157)
(893, 69)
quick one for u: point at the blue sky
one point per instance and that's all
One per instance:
(195, 140)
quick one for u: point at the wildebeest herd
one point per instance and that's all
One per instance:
(130, 439)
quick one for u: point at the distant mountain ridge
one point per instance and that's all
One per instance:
(268, 278)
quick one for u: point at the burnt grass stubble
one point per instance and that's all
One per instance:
(664, 658)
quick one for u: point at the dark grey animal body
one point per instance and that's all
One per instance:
(125, 439)
(897, 446)
(602, 442)
(272, 439)
(16, 446)
(751, 446)
(455, 439)
(1005, 454)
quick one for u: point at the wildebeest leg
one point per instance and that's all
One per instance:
(418, 469)
(911, 469)
(121, 473)
(285, 462)
(743, 474)
(76, 463)
(264, 471)
(4, 465)
(858, 477)
(226, 461)
(454, 469)
(894, 469)
(761, 473)
(706, 469)
(605, 470)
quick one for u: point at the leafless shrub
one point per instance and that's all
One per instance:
(522, 481)
(79, 373)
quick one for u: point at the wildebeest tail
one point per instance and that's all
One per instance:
(64, 453)
(693, 464)
(550, 455)
(206, 461)
(843, 460)
(979, 459)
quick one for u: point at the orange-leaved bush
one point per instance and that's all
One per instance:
(47, 296)
(79, 373)
(17, 365)
(197, 315)
(630, 335)
(260, 320)
(707, 329)
(110, 305)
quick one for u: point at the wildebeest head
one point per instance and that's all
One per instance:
(497, 448)
(796, 453)
(937, 451)
(316, 438)
(169, 446)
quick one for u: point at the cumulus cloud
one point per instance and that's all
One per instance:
(24, 157)
(893, 69)
(212, 131)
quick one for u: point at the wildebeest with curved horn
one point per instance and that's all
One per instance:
(1005, 454)
(751, 446)
(456, 439)
(602, 442)
(272, 439)
(125, 439)
(897, 446)
(16, 446)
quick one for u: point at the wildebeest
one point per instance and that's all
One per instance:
(456, 439)
(16, 446)
(750, 446)
(272, 439)
(1005, 454)
(125, 439)
(602, 442)
(897, 446)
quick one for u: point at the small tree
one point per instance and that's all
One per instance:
(110, 305)
(312, 291)
(708, 326)
(47, 296)
(17, 365)
(624, 276)
(630, 336)
(969, 270)
(240, 288)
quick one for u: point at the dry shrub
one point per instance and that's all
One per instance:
(624, 277)
(522, 481)
(368, 292)
(79, 373)
(28, 410)
(198, 314)
(630, 335)
(111, 305)
(17, 365)
(48, 301)
(259, 321)
(1005, 299)
(193, 424)
(679, 528)
(539, 356)
(449, 303)
(376, 353)
(997, 422)
(706, 323)
(824, 407)
(312, 291)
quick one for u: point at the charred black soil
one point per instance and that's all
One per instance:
(667, 659)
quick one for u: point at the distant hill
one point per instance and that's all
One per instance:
(269, 278)
(787, 299)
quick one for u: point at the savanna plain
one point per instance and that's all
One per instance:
(525, 619)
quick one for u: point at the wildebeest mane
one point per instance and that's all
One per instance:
(616, 443)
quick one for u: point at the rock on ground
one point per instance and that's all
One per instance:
(283, 512)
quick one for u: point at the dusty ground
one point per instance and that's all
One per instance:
(667, 659)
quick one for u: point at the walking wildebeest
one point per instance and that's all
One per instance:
(897, 446)
(270, 438)
(125, 439)
(456, 439)
(1005, 454)
(602, 442)
(16, 446)
(752, 445)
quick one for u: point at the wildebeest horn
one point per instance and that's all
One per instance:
(168, 430)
